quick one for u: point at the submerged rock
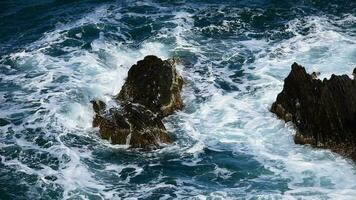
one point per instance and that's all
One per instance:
(155, 84)
(324, 112)
(51, 178)
(151, 92)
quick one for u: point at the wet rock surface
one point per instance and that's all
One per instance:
(323, 111)
(131, 124)
(151, 92)
(155, 84)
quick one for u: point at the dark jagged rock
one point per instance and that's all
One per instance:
(324, 112)
(155, 84)
(130, 124)
(151, 92)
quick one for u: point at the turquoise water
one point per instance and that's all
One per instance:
(58, 55)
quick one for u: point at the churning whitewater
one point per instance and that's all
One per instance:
(233, 57)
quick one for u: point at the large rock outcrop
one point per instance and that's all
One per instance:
(324, 112)
(151, 92)
(155, 84)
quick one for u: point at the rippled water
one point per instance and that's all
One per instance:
(58, 55)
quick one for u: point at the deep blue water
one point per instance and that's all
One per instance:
(55, 56)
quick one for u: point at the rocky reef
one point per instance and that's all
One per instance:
(151, 92)
(323, 111)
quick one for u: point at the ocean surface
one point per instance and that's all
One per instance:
(57, 55)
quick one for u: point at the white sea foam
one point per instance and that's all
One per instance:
(87, 74)
(240, 118)
(243, 118)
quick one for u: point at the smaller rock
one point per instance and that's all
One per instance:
(151, 92)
